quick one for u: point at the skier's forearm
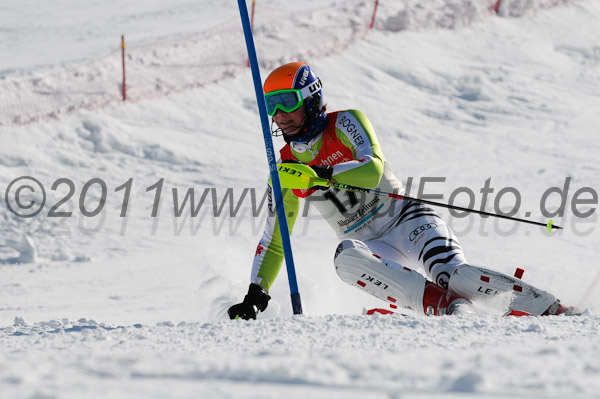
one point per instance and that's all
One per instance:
(365, 173)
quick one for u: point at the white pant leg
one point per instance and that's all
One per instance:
(508, 294)
(420, 239)
(357, 265)
(425, 240)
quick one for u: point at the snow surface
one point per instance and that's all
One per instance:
(135, 307)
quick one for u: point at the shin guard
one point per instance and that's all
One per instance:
(518, 298)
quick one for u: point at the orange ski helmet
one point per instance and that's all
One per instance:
(291, 86)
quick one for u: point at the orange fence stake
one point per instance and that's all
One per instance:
(374, 12)
(124, 86)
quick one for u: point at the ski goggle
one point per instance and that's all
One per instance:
(287, 100)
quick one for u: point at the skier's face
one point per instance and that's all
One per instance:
(290, 122)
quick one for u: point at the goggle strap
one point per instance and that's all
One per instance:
(311, 89)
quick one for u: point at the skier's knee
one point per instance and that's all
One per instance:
(358, 266)
(347, 244)
(341, 259)
(441, 273)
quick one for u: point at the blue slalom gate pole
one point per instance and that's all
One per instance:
(262, 110)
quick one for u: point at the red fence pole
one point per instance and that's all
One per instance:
(251, 25)
(496, 8)
(124, 86)
(373, 17)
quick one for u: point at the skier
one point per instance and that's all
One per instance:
(382, 239)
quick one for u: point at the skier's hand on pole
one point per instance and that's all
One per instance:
(255, 301)
(295, 174)
(322, 171)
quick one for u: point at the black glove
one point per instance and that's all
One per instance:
(255, 301)
(323, 171)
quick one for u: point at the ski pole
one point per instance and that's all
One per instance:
(549, 226)
(300, 176)
(262, 108)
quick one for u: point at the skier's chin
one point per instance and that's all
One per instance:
(292, 130)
